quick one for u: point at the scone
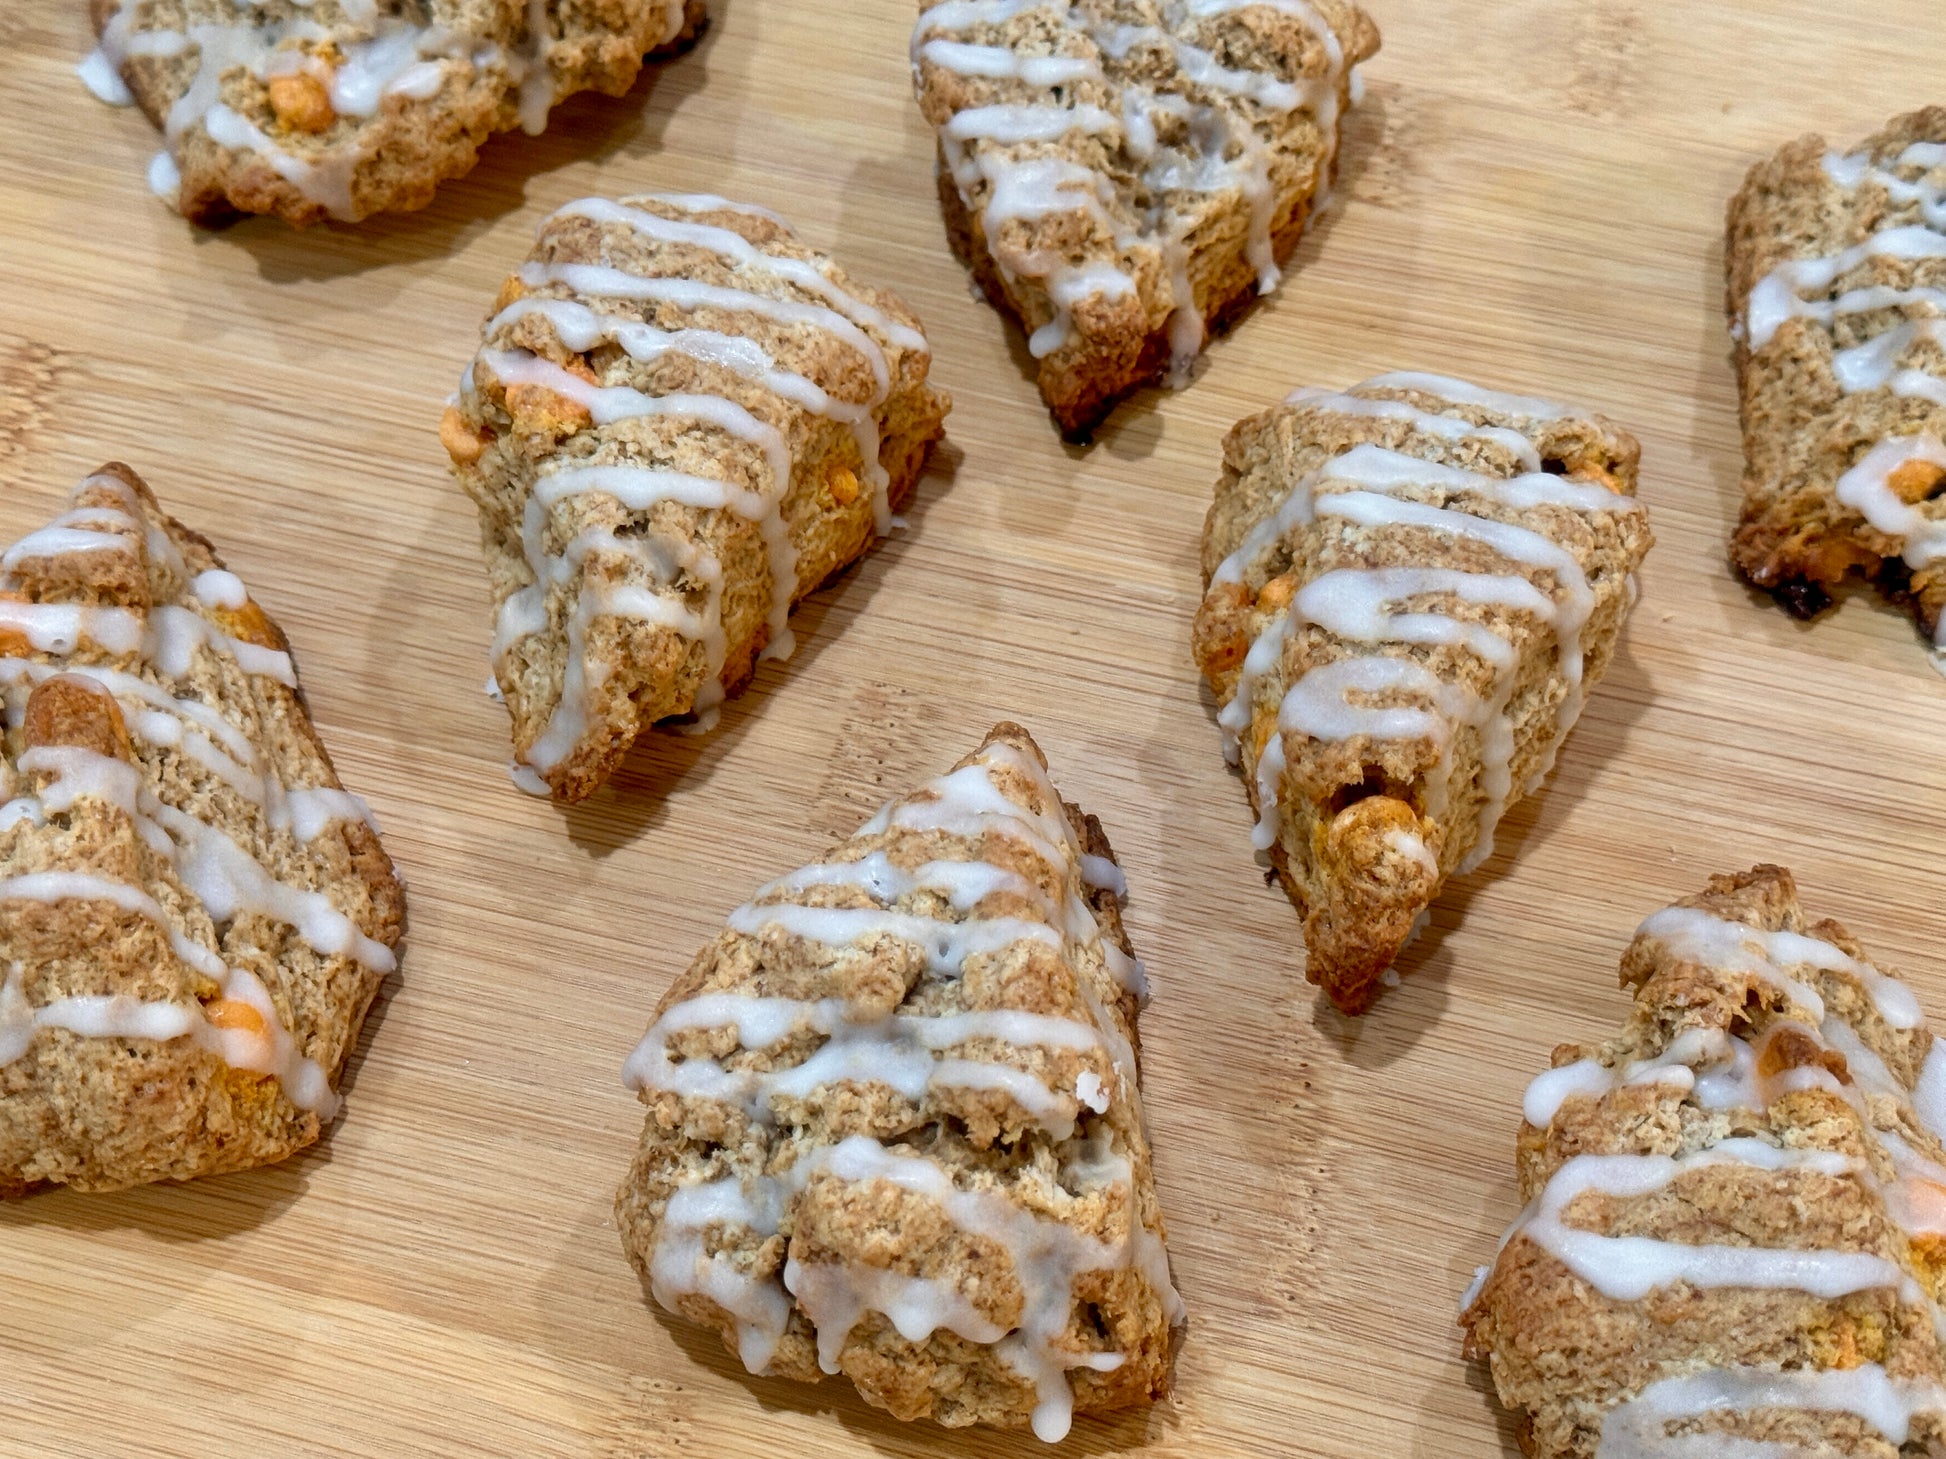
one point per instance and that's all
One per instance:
(1411, 588)
(680, 422)
(1735, 1239)
(194, 913)
(1122, 177)
(1837, 295)
(894, 1124)
(315, 109)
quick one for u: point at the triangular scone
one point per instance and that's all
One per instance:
(681, 421)
(894, 1125)
(1123, 178)
(315, 109)
(194, 913)
(1411, 588)
(1837, 295)
(1735, 1237)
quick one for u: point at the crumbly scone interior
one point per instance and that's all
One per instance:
(1119, 157)
(1837, 291)
(1411, 586)
(680, 421)
(340, 108)
(1735, 1238)
(178, 860)
(894, 1123)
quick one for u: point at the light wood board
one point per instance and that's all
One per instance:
(1532, 197)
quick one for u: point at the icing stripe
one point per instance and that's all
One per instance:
(915, 1056)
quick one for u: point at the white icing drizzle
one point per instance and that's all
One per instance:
(1721, 1072)
(165, 179)
(1381, 607)
(1866, 488)
(99, 75)
(270, 1050)
(1787, 291)
(836, 1297)
(823, 305)
(227, 878)
(393, 62)
(726, 243)
(580, 328)
(912, 1054)
(1875, 364)
(1104, 875)
(216, 588)
(1702, 937)
(712, 203)
(1445, 427)
(1462, 392)
(898, 1052)
(1638, 1428)
(1228, 143)
(1628, 1268)
(525, 612)
(1905, 354)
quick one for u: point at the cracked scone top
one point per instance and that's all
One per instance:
(1837, 292)
(1123, 175)
(1411, 588)
(894, 1126)
(680, 422)
(194, 913)
(1735, 1239)
(315, 109)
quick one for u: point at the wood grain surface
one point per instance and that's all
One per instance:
(1532, 197)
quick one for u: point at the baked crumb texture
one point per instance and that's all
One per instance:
(894, 1126)
(1837, 297)
(1123, 176)
(680, 422)
(315, 109)
(194, 913)
(1735, 1239)
(1411, 588)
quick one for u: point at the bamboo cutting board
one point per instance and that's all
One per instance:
(1532, 197)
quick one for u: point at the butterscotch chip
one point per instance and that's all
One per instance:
(459, 440)
(1731, 1238)
(895, 1125)
(1123, 178)
(681, 422)
(1836, 271)
(194, 913)
(1411, 588)
(357, 106)
(301, 102)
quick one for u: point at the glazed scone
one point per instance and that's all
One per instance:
(1123, 177)
(1735, 1237)
(894, 1125)
(194, 913)
(315, 109)
(680, 422)
(1411, 588)
(1837, 297)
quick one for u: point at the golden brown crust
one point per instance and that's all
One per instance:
(149, 771)
(281, 145)
(1274, 98)
(1765, 1086)
(792, 1210)
(1454, 567)
(723, 354)
(1814, 400)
